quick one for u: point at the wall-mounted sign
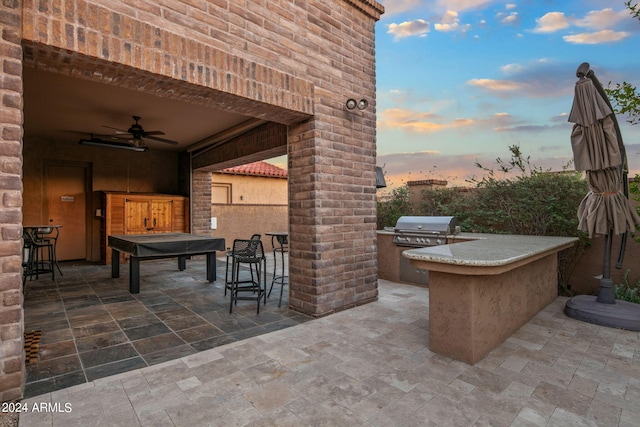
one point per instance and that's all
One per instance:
(67, 198)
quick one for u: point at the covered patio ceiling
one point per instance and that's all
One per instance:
(63, 108)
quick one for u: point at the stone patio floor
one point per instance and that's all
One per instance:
(371, 366)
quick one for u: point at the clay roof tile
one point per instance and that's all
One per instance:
(257, 169)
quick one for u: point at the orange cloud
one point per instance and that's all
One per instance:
(415, 121)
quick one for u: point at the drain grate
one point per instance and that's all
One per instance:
(31, 346)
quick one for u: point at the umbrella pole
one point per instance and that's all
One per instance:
(605, 294)
(623, 241)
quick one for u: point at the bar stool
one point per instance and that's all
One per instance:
(282, 247)
(38, 257)
(49, 235)
(227, 282)
(248, 252)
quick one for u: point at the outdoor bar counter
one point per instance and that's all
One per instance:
(485, 288)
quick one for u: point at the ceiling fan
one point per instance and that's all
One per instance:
(135, 134)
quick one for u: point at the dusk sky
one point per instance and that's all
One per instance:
(458, 81)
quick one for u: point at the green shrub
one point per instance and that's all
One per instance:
(393, 207)
(626, 292)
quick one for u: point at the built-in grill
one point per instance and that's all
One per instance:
(421, 231)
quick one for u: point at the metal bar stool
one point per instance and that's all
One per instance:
(227, 281)
(38, 257)
(50, 235)
(282, 247)
(248, 252)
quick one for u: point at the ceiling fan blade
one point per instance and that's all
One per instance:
(168, 141)
(153, 132)
(122, 137)
(116, 129)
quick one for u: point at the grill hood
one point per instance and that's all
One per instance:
(421, 231)
(426, 224)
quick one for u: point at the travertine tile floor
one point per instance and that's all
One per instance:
(371, 366)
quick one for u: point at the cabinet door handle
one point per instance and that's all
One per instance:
(145, 222)
(154, 222)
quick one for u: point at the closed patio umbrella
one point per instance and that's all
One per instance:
(599, 151)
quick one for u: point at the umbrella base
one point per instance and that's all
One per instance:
(620, 315)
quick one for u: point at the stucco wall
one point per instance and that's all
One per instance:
(242, 221)
(583, 279)
(254, 190)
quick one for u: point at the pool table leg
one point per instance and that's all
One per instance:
(115, 263)
(211, 267)
(134, 275)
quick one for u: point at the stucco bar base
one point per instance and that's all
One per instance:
(470, 315)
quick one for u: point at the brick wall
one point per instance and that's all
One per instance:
(11, 314)
(290, 62)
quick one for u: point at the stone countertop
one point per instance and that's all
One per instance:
(487, 251)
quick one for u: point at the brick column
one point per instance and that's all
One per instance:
(201, 203)
(12, 370)
(332, 214)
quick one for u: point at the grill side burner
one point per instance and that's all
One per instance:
(421, 231)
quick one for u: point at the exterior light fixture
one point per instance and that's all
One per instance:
(360, 105)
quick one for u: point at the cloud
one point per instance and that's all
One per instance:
(450, 22)
(602, 19)
(495, 85)
(419, 27)
(539, 78)
(512, 68)
(428, 123)
(551, 22)
(419, 122)
(533, 128)
(562, 117)
(604, 36)
(511, 19)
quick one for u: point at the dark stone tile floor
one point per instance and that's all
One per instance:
(92, 327)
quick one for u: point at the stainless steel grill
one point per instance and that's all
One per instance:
(421, 231)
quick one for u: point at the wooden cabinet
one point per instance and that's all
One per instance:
(149, 216)
(136, 213)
